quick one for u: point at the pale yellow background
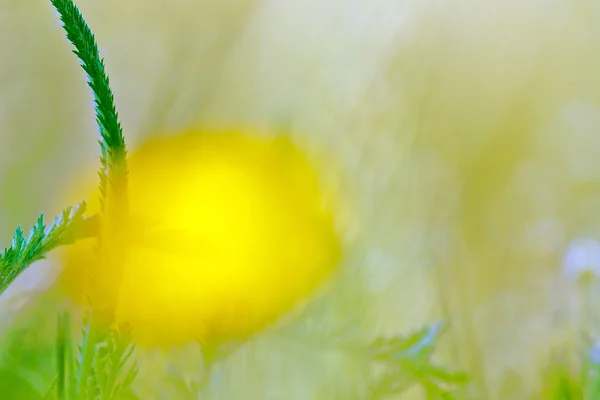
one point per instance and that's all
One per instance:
(466, 134)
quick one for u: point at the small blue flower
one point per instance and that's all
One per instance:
(595, 353)
(582, 259)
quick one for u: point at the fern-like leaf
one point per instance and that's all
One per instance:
(407, 361)
(112, 143)
(24, 251)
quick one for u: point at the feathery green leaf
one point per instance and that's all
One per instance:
(112, 144)
(40, 241)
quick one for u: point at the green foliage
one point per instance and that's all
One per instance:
(396, 364)
(407, 362)
(26, 250)
(27, 348)
(573, 379)
(112, 143)
(64, 386)
(104, 351)
(110, 375)
(111, 370)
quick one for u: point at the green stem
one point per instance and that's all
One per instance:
(86, 359)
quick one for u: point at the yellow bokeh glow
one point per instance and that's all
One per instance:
(237, 232)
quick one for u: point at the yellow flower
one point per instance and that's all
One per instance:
(235, 231)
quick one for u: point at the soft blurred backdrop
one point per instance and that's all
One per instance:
(464, 135)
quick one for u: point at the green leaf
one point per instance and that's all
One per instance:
(24, 251)
(64, 382)
(407, 362)
(80, 35)
(103, 352)
(113, 157)
(105, 369)
(420, 343)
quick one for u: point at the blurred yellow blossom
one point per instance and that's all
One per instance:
(230, 232)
